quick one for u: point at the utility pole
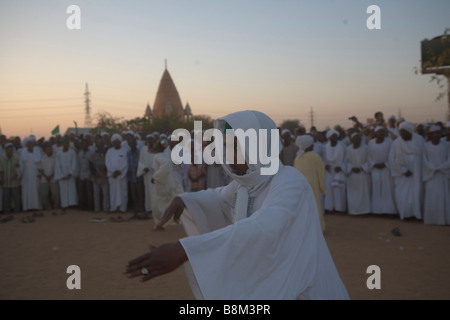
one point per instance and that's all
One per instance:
(311, 115)
(87, 101)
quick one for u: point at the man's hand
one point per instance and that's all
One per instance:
(175, 209)
(356, 170)
(158, 261)
(408, 173)
(379, 165)
(116, 174)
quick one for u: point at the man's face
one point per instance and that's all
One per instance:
(380, 134)
(116, 144)
(49, 150)
(406, 135)
(9, 151)
(237, 168)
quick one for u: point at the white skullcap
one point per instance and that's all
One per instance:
(115, 137)
(285, 131)
(150, 136)
(162, 135)
(401, 119)
(392, 117)
(435, 128)
(9, 144)
(104, 133)
(156, 133)
(378, 128)
(332, 132)
(137, 136)
(353, 134)
(408, 126)
(303, 142)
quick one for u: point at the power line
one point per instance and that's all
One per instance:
(40, 108)
(38, 100)
(41, 116)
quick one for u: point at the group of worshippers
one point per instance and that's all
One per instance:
(107, 172)
(377, 170)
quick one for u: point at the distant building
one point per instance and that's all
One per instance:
(167, 101)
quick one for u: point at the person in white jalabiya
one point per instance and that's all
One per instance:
(259, 237)
(335, 178)
(116, 162)
(382, 182)
(405, 159)
(358, 177)
(30, 158)
(66, 170)
(436, 175)
(166, 185)
(145, 169)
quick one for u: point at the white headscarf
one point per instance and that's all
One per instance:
(434, 128)
(115, 137)
(405, 147)
(251, 182)
(331, 132)
(303, 142)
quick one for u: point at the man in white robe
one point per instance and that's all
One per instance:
(30, 158)
(405, 160)
(358, 177)
(335, 178)
(382, 182)
(259, 237)
(66, 170)
(436, 175)
(116, 162)
(145, 169)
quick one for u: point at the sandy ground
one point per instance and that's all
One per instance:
(35, 257)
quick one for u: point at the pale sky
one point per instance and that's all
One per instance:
(281, 57)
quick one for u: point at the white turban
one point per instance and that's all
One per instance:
(353, 134)
(408, 126)
(115, 137)
(332, 132)
(303, 142)
(435, 128)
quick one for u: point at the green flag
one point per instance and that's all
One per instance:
(56, 130)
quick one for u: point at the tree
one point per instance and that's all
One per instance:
(291, 124)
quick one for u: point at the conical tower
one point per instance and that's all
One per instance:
(167, 101)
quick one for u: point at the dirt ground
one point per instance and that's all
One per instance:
(35, 257)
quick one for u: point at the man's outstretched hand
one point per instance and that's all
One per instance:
(158, 261)
(175, 209)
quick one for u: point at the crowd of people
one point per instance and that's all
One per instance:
(103, 172)
(393, 167)
(386, 167)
